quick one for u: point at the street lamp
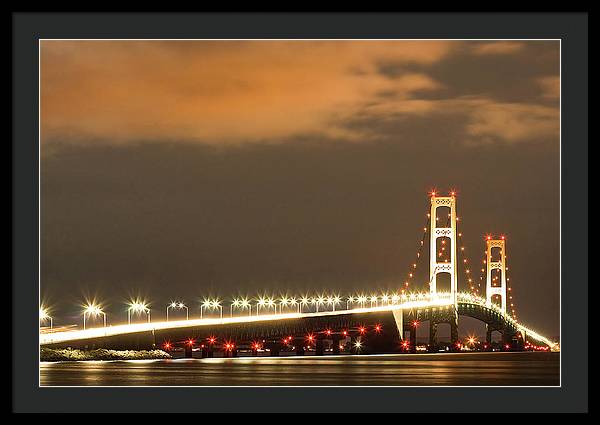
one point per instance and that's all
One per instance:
(329, 301)
(303, 301)
(45, 316)
(373, 300)
(336, 300)
(179, 306)
(362, 299)
(283, 302)
(236, 303)
(241, 304)
(294, 303)
(92, 310)
(216, 304)
(271, 303)
(205, 305)
(320, 301)
(137, 307)
(211, 304)
(246, 304)
(349, 301)
(262, 302)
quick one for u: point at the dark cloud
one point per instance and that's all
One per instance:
(508, 77)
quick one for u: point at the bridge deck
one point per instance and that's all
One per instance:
(265, 319)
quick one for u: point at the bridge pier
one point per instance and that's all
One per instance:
(488, 335)
(432, 334)
(188, 351)
(275, 348)
(336, 343)
(319, 346)
(299, 344)
(413, 339)
(454, 330)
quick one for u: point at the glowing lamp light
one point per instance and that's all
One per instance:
(378, 328)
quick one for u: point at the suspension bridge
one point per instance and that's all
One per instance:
(375, 323)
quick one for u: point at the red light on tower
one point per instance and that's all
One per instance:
(345, 333)
(415, 323)
(190, 341)
(502, 237)
(432, 192)
(167, 345)
(328, 331)
(378, 328)
(362, 330)
(488, 237)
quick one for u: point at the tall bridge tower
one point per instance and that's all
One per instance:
(448, 230)
(490, 289)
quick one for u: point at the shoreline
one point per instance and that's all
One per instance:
(50, 355)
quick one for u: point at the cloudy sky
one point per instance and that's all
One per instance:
(182, 169)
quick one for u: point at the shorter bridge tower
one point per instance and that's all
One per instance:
(490, 290)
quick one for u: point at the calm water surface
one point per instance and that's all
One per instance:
(531, 368)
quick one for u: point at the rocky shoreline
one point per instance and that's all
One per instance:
(52, 355)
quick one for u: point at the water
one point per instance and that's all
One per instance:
(453, 369)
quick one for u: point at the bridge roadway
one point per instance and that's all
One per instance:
(421, 308)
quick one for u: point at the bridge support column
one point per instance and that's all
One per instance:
(336, 344)
(432, 334)
(488, 335)
(299, 343)
(275, 349)
(188, 351)
(413, 339)
(319, 346)
(454, 329)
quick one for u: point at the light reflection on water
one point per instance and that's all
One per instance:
(376, 370)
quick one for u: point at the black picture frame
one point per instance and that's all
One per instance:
(570, 28)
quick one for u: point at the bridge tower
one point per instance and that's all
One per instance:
(448, 230)
(436, 233)
(490, 290)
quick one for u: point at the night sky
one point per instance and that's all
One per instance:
(183, 169)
